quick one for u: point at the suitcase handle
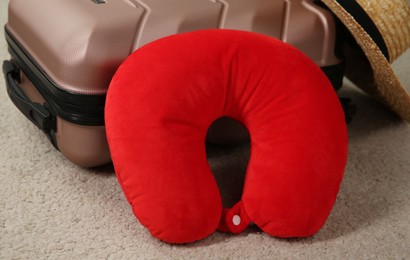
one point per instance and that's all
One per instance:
(37, 113)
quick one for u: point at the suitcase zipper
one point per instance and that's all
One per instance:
(76, 108)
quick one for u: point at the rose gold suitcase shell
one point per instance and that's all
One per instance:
(77, 46)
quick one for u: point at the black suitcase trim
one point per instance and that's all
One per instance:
(76, 108)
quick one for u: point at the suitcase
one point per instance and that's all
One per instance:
(64, 53)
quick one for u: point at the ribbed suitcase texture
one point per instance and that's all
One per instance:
(64, 53)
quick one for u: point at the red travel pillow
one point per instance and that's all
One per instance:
(165, 96)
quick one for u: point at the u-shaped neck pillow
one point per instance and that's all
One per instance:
(165, 96)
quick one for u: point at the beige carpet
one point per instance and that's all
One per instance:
(50, 208)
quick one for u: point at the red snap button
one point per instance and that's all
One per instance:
(234, 220)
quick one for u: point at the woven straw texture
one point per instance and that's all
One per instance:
(379, 81)
(392, 18)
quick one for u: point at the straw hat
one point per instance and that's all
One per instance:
(382, 30)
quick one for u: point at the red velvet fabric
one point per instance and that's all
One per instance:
(165, 96)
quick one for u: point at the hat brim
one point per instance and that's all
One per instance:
(374, 75)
